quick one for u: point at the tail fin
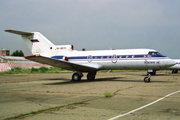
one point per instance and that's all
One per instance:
(37, 43)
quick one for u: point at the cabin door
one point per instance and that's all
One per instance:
(114, 58)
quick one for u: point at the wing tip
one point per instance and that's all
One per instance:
(31, 56)
(8, 30)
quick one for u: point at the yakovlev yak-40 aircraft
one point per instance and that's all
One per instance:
(176, 67)
(65, 57)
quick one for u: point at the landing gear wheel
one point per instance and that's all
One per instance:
(174, 71)
(76, 77)
(91, 76)
(146, 79)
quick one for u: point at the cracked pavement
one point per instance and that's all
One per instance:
(21, 94)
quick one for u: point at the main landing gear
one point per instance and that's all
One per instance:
(91, 75)
(77, 76)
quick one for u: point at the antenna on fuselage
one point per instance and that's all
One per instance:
(111, 48)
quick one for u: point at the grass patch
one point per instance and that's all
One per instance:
(18, 70)
(107, 94)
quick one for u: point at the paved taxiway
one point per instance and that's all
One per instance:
(21, 94)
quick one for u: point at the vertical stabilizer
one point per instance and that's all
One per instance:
(37, 43)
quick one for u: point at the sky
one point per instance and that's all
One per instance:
(94, 24)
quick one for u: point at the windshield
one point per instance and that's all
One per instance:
(154, 53)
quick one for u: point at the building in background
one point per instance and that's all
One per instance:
(9, 62)
(4, 52)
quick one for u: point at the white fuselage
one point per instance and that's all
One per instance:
(138, 59)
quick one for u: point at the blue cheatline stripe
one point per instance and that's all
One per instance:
(139, 56)
(57, 57)
(80, 57)
(123, 57)
(108, 59)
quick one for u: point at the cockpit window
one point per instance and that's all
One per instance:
(154, 53)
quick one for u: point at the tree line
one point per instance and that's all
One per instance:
(18, 53)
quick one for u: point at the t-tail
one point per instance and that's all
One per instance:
(40, 45)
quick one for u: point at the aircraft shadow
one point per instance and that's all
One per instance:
(162, 75)
(69, 81)
(113, 79)
(56, 79)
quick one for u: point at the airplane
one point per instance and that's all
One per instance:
(176, 67)
(65, 57)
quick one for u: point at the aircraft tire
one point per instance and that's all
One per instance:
(146, 80)
(76, 77)
(174, 71)
(91, 76)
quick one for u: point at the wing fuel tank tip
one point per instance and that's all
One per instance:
(30, 56)
(8, 30)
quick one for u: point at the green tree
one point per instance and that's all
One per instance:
(21, 53)
(18, 53)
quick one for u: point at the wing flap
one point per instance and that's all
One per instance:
(63, 64)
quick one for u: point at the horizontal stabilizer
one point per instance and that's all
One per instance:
(62, 64)
(19, 32)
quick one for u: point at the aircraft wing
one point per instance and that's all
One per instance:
(64, 64)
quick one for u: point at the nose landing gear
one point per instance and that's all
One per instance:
(147, 79)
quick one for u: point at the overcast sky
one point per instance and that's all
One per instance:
(94, 24)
